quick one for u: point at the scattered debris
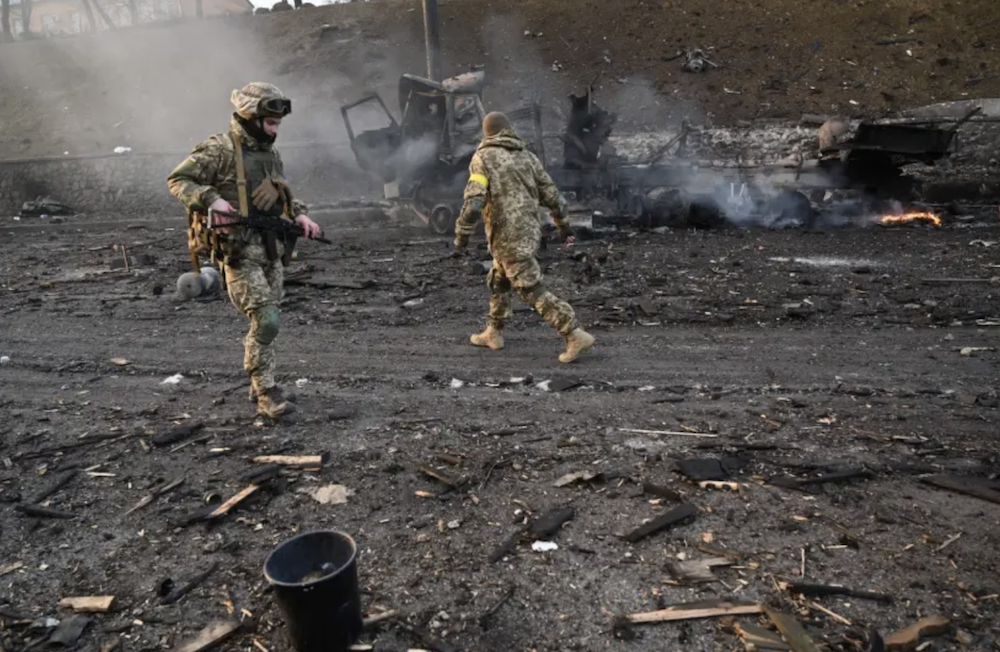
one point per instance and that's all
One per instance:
(159, 491)
(329, 494)
(44, 207)
(544, 546)
(211, 636)
(759, 639)
(970, 486)
(671, 433)
(43, 512)
(669, 519)
(908, 638)
(89, 604)
(301, 461)
(697, 571)
(695, 60)
(695, 610)
(558, 384)
(540, 527)
(820, 590)
(16, 566)
(793, 632)
(69, 631)
(484, 620)
(176, 594)
(177, 433)
(837, 476)
(702, 469)
(578, 476)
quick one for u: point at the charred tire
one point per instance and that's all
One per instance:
(442, 220)
(792, 206)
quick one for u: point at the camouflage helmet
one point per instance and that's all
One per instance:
(260, 99)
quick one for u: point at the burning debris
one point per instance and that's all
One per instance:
(908, 218)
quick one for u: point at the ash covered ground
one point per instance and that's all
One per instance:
(790, 354)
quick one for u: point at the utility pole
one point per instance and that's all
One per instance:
(432, 39)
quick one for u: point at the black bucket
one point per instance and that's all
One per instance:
(315, 580)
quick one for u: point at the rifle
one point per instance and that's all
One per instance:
(288, 231)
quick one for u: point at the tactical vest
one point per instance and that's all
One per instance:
(252, 168)
(258, 165)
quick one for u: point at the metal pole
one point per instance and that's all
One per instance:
(432, 39)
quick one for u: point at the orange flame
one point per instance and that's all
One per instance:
(911, 217)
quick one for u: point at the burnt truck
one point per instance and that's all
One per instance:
(422, 160)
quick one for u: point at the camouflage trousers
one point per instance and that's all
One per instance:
(256, 288)
(525, 276)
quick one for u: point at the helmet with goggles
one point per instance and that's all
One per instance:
(261, 100)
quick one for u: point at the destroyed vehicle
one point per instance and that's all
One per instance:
(874, 157)
(423, 158)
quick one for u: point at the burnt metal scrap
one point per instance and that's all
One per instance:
(685, 192)
(423, 158)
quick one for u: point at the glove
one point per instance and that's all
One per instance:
(566, 234)
(265, 195)
(269, 192)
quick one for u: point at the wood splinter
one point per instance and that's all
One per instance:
(693, 611)
(211, 636)
(662, 522)
(303, 461)
(97, 604)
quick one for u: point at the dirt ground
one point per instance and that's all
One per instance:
(799, 353)
(143, 88)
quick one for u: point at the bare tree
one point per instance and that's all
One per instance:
(26, 16)
(104, 15)
(5, 19)
(90, 15)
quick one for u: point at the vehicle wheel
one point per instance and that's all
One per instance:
(442, 220)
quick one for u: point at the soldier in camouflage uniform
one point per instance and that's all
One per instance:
(506, 184)
(209, 178)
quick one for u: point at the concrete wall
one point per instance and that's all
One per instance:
(135, 184)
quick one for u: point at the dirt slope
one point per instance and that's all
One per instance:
(162, 87)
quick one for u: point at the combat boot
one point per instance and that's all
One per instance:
(577, 342)
(491, 338)
(279, 393)
(272, 404)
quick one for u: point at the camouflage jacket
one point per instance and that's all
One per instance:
(210, 171)
(508, 182)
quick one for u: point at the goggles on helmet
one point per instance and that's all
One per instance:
(275, 107)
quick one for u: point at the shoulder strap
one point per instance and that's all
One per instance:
(241, 176)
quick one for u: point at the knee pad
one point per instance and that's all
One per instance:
(267, 322)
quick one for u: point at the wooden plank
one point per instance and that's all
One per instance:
(292, 460)
(908, 638)
(679, 612)
(224, 508)
(662, 522)
(211, 636)
(97, 604)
